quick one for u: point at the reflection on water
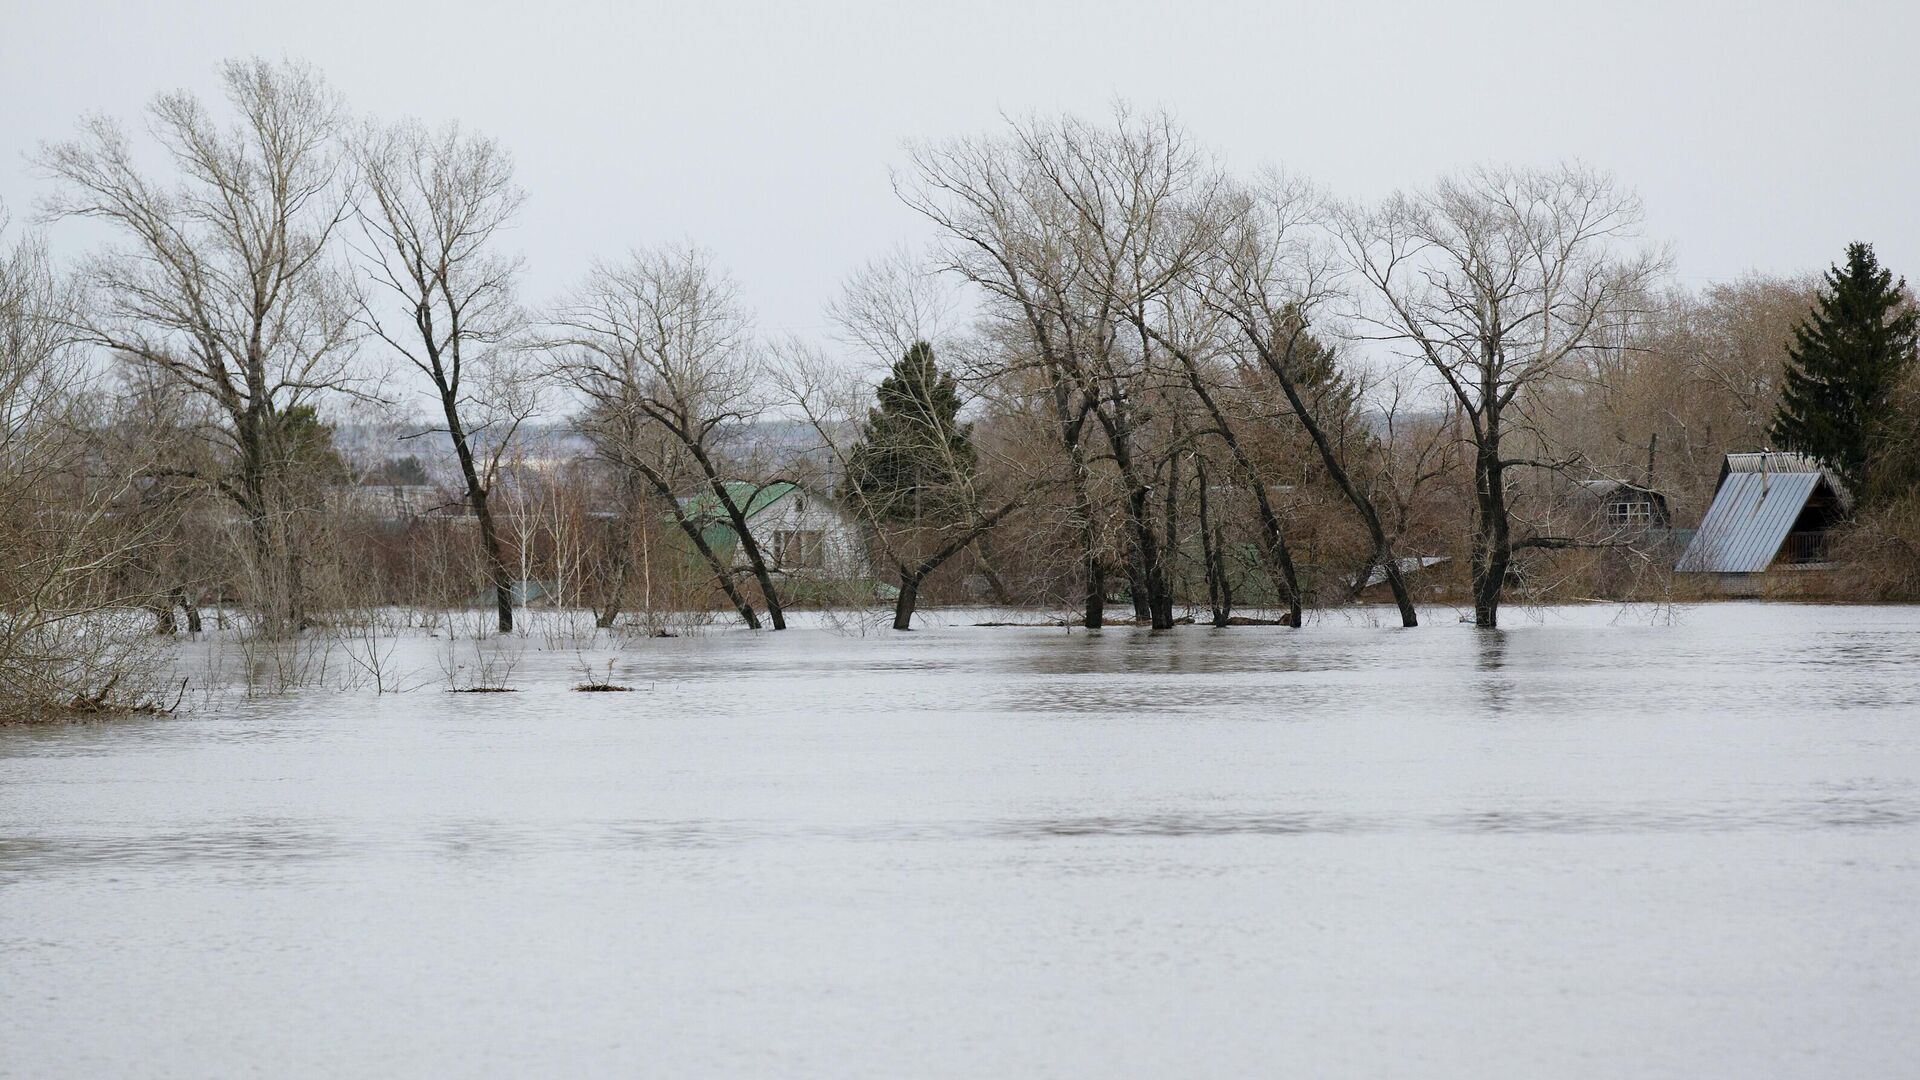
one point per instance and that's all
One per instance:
(265, 841)
(824, 854)
(280, 842)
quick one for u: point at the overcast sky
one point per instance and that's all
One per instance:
(1762, 136)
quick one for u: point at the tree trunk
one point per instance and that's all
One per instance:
(497, 573)
(1362, 505)
(756, 559)
(1212, 557)
(1096, 605)
(1277, 558)
(1492, 543)
(190, 606)
(721, 573)
(1170, 545)
(497, 570)
(1361, 576)
(1137, 585)
(1001, 594)
(1093, 569)
(1148, 562)
(903, 604)
(251, 494)
(911, 577)
(609, 609)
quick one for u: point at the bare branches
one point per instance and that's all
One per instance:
(660, 348)
(65, 641)
(433, 207)
(1500, 280)
(224, 282)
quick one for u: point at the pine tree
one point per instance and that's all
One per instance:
(1847, 362)
(914, 456)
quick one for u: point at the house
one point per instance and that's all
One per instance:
(1771, 512)
(1619, 507)
(801, 534)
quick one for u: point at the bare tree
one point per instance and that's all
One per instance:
(66, 641)
(1209, 381)
(1499, 280)
(1269, 279)
(224, 282)
(659, 345)
(1074, 230)
(986, 198)
(434, 206)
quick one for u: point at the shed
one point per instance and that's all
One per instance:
(1622, 507)
(1771, 509)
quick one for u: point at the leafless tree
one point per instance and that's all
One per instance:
(1270, 278)
(68, 639)
(434, 205)
(1499, 280)
(1210, 382)
(1073, 229)
(988, 201)
(224, 281)
(892, 303)
(659, 346)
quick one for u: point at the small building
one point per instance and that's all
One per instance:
(1619, 507)
(800, 534)
(1772, 511)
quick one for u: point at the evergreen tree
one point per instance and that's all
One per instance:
(1847, 363)
(914, 456)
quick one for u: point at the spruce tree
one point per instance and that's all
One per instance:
(1847, 362)
(914, 455)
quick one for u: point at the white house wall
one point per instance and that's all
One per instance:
(843, 550)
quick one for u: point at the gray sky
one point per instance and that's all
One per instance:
(1761, 135)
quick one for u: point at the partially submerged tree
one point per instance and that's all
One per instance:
(73, 546)
(1850, 360)
(1069, 228)
(910, 471)
(659, 343)
(433, 209)
(1498, 281)
(224, 282)
(1269, 280)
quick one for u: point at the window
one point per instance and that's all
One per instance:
(1628, 514)
(799, 549)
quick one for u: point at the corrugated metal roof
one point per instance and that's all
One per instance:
(1783, 461)
(1750, 517)
(705, 511)
(1772, 461)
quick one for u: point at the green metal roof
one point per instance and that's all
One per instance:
(752, 498)
(707, 514)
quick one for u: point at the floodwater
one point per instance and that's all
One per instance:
(1596, 844)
